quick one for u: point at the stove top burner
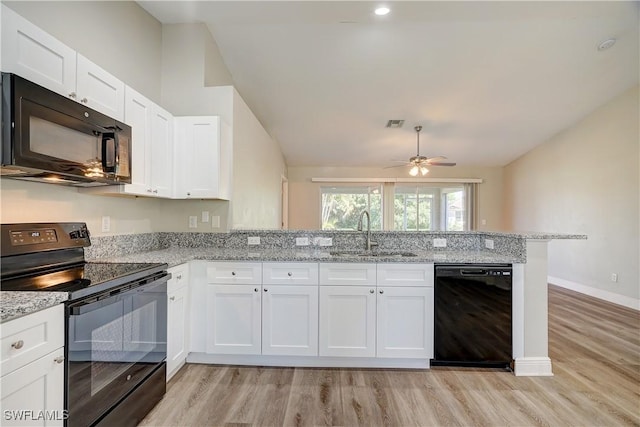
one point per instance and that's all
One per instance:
(82, 280)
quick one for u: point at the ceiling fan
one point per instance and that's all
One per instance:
(419, 163)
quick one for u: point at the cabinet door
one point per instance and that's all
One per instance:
(36, 387)
(290, 320)
(348, 321)
(197, 147)
(233, 319)
(161, 149)
(177, 330)
(137, 114)
(99, 90)
(405, 322)
(37, 56)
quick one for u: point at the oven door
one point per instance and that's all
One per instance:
(114, 342)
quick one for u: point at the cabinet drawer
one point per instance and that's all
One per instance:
(31, 337)
(179, 277)
(347, 274)
(405, 274)
(290, 273)
(245, 273)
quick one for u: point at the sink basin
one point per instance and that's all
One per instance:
(373, 254)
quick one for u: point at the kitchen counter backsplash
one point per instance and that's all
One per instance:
(511, 244)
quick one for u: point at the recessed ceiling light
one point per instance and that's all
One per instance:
(606, 44)
(382, 11)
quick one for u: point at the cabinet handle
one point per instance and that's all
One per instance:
(371, 291)
(289, 274)
(18, 344)
(381, 291)
(255, 290)
(233, 273)
(155, 191)
(179, 277)
(84, 100)
(148, 190)
(265, 289)
(72, 95)
(59, 359)
(188, 194)
(172, 298)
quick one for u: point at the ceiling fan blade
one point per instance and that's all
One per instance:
(441, 164)
(436, 159)
(400, 161)
(397, 166)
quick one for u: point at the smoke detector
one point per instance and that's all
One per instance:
(397, 123)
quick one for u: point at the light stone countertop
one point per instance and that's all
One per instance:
(14, 304)
(176, 256)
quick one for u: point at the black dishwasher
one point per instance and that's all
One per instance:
(473, 315)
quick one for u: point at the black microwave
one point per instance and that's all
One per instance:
(47, 137)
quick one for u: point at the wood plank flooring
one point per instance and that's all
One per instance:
(594, 346)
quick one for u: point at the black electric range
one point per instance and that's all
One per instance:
(116, 320)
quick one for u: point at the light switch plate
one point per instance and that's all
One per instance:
(439, 243)
(205, 216)
(325, 241)
(253, 240)
(488, 243)
(215, 221)
(193, 221)
(106, 224)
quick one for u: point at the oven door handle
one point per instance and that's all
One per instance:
(104, 299)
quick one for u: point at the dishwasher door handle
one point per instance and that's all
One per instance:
(478, 272)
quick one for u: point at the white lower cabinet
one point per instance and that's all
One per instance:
(290, 320)
(405, 322)
(348, 321)
(177, 319)
(32, 382)
(234, 319)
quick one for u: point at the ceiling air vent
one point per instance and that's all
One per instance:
(395, 123)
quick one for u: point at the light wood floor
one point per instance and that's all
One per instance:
(594, 346)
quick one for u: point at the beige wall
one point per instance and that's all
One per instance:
(304, 195)
(119, 36)
(585, 180)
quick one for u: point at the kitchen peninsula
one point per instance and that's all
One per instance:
(527, 252)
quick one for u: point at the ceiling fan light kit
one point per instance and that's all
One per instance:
(419, 163)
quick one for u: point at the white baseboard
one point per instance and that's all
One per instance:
(596, 293)
(532, 367)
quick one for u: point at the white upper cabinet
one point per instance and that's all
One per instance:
(202, 157)
(98, 89)
(39, 57)
(35, 55)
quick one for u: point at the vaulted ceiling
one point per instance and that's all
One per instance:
(488, 81)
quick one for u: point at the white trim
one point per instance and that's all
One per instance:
(532, 367)
(308, 361)
(383, 180)
(608, 296)
(517, 310)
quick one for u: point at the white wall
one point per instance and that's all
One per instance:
(586, 180)
(304, 195)
(171, 65)
(257, 172)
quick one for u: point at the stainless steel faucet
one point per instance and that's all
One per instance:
(369, 242)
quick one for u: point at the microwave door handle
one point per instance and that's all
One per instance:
(109, 151)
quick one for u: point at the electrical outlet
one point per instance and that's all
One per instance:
(205, 216)
(106, 224)
(302, 241)
(253, 240)
(325, 241)
(614, 277)
(215, 221)
(488, 243)
(439, 243)
(483, 222)
(193, 221)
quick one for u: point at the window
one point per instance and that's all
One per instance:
(430, 207)
(342, 206)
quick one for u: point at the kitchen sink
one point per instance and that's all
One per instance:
(373, 254)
